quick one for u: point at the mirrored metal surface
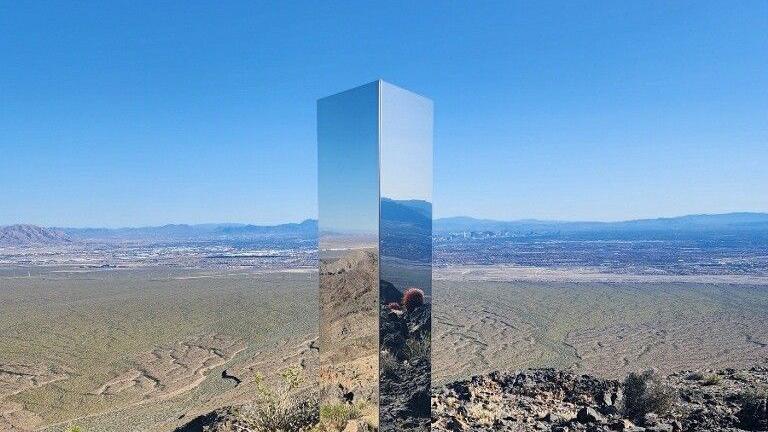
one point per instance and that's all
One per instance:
(375, 219)
(405, 244)
(348, 183)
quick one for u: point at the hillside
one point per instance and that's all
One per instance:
(31, 235)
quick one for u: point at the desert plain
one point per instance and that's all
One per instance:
(144, 348)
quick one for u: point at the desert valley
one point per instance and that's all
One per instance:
(150, 329)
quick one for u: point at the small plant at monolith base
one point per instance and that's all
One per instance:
(412, 299)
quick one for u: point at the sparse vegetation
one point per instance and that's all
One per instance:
(646, 393)
(293, 377)
(334, 417)
(74, 428)
(740, 376)
(279, 410)
(711, 380)
(417, 348)
(705, 379)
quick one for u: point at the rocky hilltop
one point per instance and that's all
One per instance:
(31, 235)
(561, 401)
(552, 400)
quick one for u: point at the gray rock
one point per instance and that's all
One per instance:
(589, 415)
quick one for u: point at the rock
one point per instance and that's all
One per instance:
(589, 415)
(607, 398)
(625, 426)
(610, 410)
(650, 419)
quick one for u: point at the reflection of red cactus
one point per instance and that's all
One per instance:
(394, 306)
(413, 298)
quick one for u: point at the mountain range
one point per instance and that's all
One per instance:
(415, 212)
(690, 223)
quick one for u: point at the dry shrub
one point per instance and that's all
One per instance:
(646, 393)
(280, 410)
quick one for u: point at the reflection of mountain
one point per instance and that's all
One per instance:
(406, 229)
(29, 235)
(348, 325)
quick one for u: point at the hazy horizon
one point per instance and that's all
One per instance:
(314, 219)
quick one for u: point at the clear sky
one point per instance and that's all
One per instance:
(126, 113)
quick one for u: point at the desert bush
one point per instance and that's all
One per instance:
(412, 298)
(74, 428)
(388, 364)
(293, 377)
(417, 348)
(705, 379)
(646, 393)
(279, 410)
(754, 411)
(741, 376)
(334, 417)
(710, 380)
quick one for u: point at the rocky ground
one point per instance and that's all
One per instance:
(405, 378)
(553, 400)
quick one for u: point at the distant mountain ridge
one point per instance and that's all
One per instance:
(179, 232)
(31, 235)
(743, 221)
(405, 214)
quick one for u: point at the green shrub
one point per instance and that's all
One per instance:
(334, 417)
(279, 410)
(293, 377)
(74, 428)
(710, 380)
(646, 393)
(283, 415)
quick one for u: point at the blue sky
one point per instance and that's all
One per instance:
(132, 113)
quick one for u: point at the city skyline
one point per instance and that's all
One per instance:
(139, 115)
